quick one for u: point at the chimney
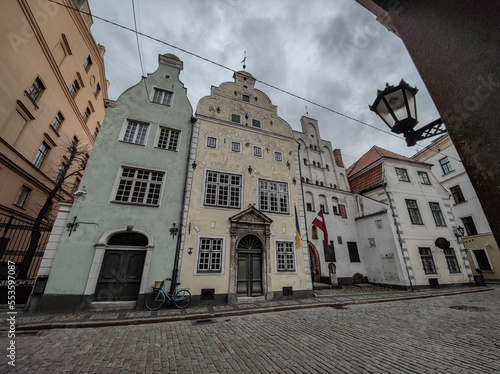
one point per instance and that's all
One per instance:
(338, 158)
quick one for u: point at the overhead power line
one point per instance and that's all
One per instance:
(232, 70)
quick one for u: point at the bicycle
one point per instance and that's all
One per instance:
(180, 297)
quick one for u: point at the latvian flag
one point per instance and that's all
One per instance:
(319, 222)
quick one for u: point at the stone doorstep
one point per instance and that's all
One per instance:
(250, 300)
(112, 305)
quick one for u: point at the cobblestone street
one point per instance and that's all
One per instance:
(449, 334)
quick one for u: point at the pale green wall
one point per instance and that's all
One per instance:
(75, 254)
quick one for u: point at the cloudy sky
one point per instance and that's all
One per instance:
(331, 52)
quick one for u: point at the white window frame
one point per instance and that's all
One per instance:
(289, 243)
(255, 154)
(168, 138)
(231, 118)
(216, 142)
(452, 258)
(198, 254)
(256, 120)
(58, 120)
(119, 177)
(152, 96)
(278, 197)
(217, 185)
(280, 158)
(416, 210)
(240, 148)
(41, 154)
(123, 132)
(437, 214)
(476, 264)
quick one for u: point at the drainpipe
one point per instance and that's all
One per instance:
(175, 270)
(397, 230)
(305, 217)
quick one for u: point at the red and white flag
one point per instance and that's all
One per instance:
(319, 222)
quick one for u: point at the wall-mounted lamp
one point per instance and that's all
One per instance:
(194, 165)
(173, 230)
(72, 226)
(288, 164)
(249, 169)
(294, 181)
(246, 115)
(218, 110)
(459, 231)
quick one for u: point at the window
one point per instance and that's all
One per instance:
(97, 89)
(256, 123)
(451, 260)
(236, 147)
(309, 207)
(74, 88)
(446, 165)
(245, 98)
(402, 175)
(415, 216)
(481, 259)
(273, 196)
(335, 210)
(211, 142)
(278, 156)
(323, 205)
(352, 247)
(86, 114)
(85, 160)
(139, 186)
(423, 177)
(36, 89)
(135, 132)
(168, 139)
(339, 239)
(57, 122)
(223, 189)
(330, 252)
(74, 143)
(427, 260)
(210, 255)
(469, 225)
(457, 194)
(162, 97)
(21, 196)
(96, 132)
(236, 118)
(257, 151)
(87, 63)
(41, 154)
(285, 256)
(437, 214)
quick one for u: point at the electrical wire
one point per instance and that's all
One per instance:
(234, 71)
(139, 50)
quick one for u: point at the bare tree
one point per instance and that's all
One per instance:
(74, 164)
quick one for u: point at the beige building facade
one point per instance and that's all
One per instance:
(52, 95)
(239, 233)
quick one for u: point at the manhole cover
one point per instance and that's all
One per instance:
(468, 308)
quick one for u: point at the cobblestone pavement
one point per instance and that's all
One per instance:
(448, 334)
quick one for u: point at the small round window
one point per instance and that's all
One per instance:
(167, 76)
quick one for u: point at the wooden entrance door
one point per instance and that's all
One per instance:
(120, 276)
(249, 274)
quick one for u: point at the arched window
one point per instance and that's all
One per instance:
(131, 239)
(309, 202)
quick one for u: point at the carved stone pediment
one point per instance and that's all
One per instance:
(251, 215)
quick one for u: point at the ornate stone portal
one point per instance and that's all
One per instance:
(250, 222)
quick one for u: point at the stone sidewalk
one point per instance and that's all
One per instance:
(336, 298)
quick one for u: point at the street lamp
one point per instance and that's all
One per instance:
(398, 109)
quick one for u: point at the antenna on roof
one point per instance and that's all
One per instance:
(244, 59)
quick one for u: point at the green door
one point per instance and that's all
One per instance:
(249, 274)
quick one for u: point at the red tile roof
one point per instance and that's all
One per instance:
(373, 155)
(373, 176)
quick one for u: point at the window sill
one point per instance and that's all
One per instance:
(30, 99)
(163, 149)
(123, 141)
(136, 204)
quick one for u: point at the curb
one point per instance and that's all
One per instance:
(201, 316)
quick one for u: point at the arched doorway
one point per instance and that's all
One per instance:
(315, 261)
(249, 273)
(122, 267)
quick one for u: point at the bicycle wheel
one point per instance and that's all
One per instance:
(182, 298)
(155, 300)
